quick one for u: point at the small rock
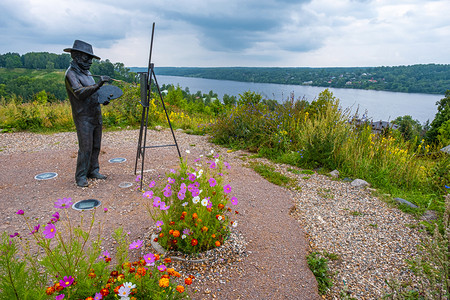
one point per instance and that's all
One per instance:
(158, 127)
(429, 215)
(359, 183)
(403, 201)
(334, 173)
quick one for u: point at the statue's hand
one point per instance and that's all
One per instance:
(106, 102)
(105, 78)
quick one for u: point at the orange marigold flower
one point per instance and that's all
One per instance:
(194, 216)
(92, 275)
(217, 243)
(155, 240)
(108, 286)
(176, 233)
(191, 276)
(120, 277)
(104, 292)
(209, 209)
(194, 242)
(229, 209)
(204, 229)
(135, 263)
(167, 260)
(110, 280)
(172, 223)
(107, 259)
(176, 274)
(171, 231)
(132, 270)
(184, 213)
(171, 271)
(182, 218)
(213, 236)
(156, 256)
(165, 276)
(180, 288)
(58, 287)
(174, 242)
(199, 220)
(214, 193)
(188, 281)
(221, 206)
(89, 298)
(161, 235)
(50, 290)
(126, 265)
(164, 282)
(116, 289)
(142, 263)
(114, 274)
(141, 271)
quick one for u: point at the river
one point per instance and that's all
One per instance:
(380, 105)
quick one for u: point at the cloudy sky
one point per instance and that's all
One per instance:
(194, 33)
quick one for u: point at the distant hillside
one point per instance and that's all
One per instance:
(429, 79)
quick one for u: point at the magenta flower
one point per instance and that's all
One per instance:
(170, 180)
(152, 184)
(163, 206)
(136, 245)
(181, 195)
(98, 296)
(227, 165)
(105, 254)
(105, 209)
(14, 235)
(138, 178)
(167, 187)
(195, 192)
(148, 194)
(66, 281)
(55, 217)
(227, 189)
(212, 182)
(234, 200)
(167, 193)
(187, 231)
(63, 203)
(20, 212)
(212, 165)
(36, 229)
(192, 177)
(191, 187)
(162, 268)
(156, 202)
(172, 171)
(60, 297)
(150, 259)
(209, 203)
(159, 223)
(49, 231)
(197, 184)
(183, 187)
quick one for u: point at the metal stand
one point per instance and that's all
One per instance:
(146, 87)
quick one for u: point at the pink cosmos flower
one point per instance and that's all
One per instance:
(168, 193)
(136, 245)
(36, 229)
(162, 268)
(148, 194)
(152, 184)
(98, 296)
(172, 171)
(209, 203)
(187, 231)
(49, 231)
(181, 195)
(159, 223)
(227, 189)
(63, 203)
(227, 165)
(20, 212)
(212, 182)
(149, 259)
(55, 217)
(183, 187)
(163, 206)
(212, 165)
(234, 200)
(66, 281)
(156, 202)
(138, 178)
(60, 297)
(192, 177)
(14, 235)
(170, 180)
(105, 254)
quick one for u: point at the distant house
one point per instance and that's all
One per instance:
(380, 126)
(307, 82)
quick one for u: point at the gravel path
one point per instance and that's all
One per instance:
(371, 239)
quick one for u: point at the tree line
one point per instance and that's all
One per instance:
(421, 78)
(22, 77)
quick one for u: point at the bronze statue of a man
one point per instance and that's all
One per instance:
(82, 91)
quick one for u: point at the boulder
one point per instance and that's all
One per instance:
(403, 201)
(334, 174)
(359, 183)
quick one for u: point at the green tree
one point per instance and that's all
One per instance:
(409, 128)
(440, 118)
(249, 97)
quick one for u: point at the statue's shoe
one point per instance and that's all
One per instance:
(97, 175)
(83, 182)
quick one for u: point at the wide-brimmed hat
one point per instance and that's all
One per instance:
(82, 47)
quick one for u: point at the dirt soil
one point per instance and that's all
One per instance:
(275, 267)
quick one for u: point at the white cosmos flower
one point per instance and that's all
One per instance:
(212, 151)
(205, 202)
(130, 285)
(184, 204)
(217, 160)
(196, 199)
(201, 155)
(235, 224)
(219, 218)
(183, 236)
(188, 152)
